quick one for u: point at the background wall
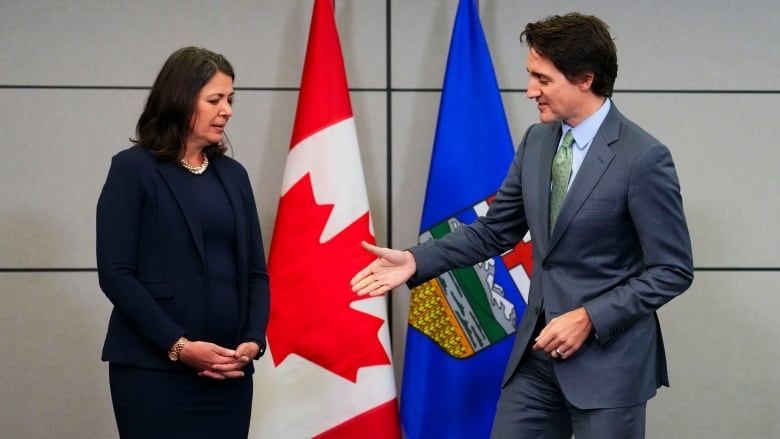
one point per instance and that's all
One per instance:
(701, 75)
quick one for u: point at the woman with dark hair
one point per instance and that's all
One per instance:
(180, 256)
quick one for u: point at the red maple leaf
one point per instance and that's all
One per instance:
(310, 291)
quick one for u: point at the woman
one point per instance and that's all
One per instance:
(180, 256)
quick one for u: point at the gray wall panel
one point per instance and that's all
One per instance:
(723, 343)
(370, 112)
(663, 44)
(58, 145)
(725, 161)
(115, 43)
(58, 141)
(363, 36)
(124, 43)
(413, 132)
(53, 384)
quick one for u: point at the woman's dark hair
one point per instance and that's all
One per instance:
(165, 123)
(577, 45)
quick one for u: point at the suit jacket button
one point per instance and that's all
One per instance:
(546, 266)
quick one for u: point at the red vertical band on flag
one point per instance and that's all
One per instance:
(322, 100)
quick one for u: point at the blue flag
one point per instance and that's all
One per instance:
(462, 324)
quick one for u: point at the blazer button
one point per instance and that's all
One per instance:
(546, 266)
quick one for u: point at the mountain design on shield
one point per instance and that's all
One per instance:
(467, 310)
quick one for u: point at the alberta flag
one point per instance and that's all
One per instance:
(462, 324)
(328, 372)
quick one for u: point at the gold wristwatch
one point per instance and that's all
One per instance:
(173, 354)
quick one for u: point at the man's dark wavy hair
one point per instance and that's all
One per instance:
(576, 44)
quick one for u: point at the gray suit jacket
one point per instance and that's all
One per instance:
(620, 248)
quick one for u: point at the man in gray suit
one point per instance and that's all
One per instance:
(610, 246)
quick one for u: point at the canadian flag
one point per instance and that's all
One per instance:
(330, 373)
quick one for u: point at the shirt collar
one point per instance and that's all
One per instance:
(586, 131)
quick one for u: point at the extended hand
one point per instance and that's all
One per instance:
(390, 269)
(564, 335)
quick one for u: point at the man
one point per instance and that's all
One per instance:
(610, 246)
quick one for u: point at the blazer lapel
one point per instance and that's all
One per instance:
(177, 186)
(549, 146)
(592, 169)
(233, 190)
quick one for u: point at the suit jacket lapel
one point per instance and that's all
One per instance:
(592, 169)
(177, 185)
(233, 190)
(549, 146)
(233, 187)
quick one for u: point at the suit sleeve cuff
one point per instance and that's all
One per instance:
(260, 345)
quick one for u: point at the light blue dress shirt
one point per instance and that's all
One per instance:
(583, 137)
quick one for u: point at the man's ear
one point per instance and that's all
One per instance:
(585, 81)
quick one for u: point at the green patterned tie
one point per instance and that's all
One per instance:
(561, 171)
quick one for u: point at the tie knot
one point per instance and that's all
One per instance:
(568, 139)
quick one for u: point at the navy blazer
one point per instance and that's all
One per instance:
(620, 248)
(151, 262)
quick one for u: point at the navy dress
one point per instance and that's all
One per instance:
(180, 404)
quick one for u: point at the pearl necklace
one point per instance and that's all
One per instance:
(197, 170)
